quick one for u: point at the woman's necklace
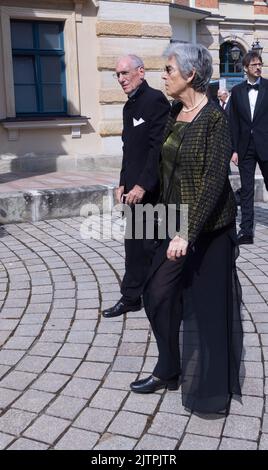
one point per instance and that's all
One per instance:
(196, 106)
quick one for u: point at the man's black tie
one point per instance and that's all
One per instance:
(252, 87)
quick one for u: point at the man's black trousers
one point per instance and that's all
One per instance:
(138, 256)
(247, 167)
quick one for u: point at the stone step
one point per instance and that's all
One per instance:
(40, 204)
(261, 195)
(36, 205)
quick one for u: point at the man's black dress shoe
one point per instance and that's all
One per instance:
(121, 307)
(151, 384)
(245, 239)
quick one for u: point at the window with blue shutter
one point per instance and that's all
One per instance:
(39, 67)
(229, 67)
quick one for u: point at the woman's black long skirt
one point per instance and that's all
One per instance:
(193, 305)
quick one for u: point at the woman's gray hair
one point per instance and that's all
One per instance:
(192, 57)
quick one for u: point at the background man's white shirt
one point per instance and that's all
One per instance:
(252, 96)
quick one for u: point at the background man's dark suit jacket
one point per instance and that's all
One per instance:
(243, 127)
(142, 143)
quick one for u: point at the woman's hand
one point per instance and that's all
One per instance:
(177, 247)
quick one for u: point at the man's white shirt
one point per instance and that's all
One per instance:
(252, 96)
(224, 103)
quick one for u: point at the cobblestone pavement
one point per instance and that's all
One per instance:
(65, 371)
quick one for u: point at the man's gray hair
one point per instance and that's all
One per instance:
(136, 61)
(223, 90)
(192, 57)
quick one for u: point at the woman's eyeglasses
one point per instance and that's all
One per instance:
(169, 69)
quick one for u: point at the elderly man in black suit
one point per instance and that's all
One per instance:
(249, 126)
(224, 99)
(144, 117)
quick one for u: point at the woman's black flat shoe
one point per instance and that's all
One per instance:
(151, 384)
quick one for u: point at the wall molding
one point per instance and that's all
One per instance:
(13, 127)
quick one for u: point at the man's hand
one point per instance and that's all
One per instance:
(119, 193)
(135, 195)
(234, 158)
(177, 247)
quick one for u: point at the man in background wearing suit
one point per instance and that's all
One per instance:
(144, 117)
(249, 118)
(224, 99)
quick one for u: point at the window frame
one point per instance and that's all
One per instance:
(225, 53)
(36, 52)
(71, 54)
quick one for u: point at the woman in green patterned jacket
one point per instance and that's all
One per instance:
(193, 285)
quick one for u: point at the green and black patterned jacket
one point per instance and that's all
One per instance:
(202, 173)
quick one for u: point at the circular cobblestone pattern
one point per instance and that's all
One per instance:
(65, 370)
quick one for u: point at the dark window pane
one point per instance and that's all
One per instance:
(239, 67)
(25, 98)
(23, 68)
(50, 69)
(228, 65)
(49, 36)
(53, 98)
(21, 35)
(39, 75)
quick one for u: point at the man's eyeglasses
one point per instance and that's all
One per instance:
(169, 69)
(124, 73)
(254, 66)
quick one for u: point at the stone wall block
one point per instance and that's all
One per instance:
(112, 96)
(156, 30)
(112, 127)
(118, 28)
(150, 62)
(131, 28)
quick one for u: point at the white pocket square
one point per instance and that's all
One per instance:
(137, 122)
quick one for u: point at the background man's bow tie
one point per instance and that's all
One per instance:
(252, 87)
